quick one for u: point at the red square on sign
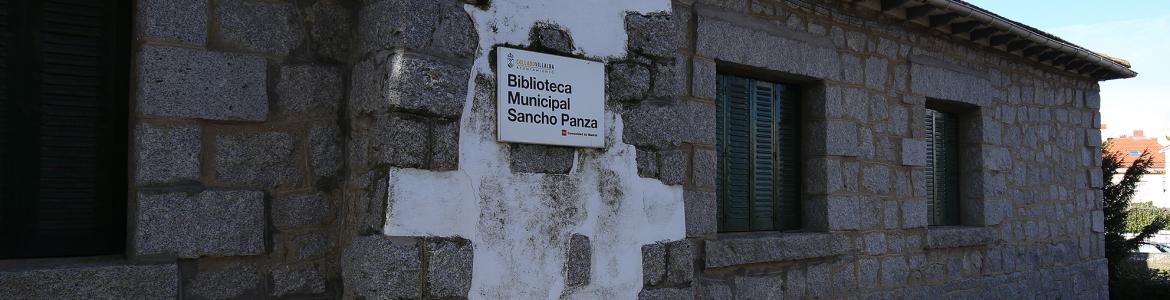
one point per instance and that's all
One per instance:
(564, 132)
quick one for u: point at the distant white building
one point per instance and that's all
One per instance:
(1153, 187)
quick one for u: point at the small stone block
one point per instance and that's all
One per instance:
(166, 153)
(266, 27)
(666, 294)
(914, 152)
(553, 38)
(180, 82)
(449, 268)
(236, 282)
(960, 236)
(445, 146)
(704, 167)
(309, 88)
(700, 208)
(653, 264)
(400, 141)
(1093, 137)
(579, 261)
(528, 158)
(381, 267)
(1098, 221)
(653, 35)
(325, 150)
(423, 83)
(673, 169)
(680, 262)
(297, 282)
(300, 210)
(310, 245)
(840, 138)
(264, 158)
(647, 163)
(703, 78)
(211, 223)
(183, 21)
(760, 287)
(627, 82)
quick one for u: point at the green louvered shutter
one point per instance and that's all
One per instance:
(763, 198)
(64, 132)
(734, 143)
(788, 160)
(758, 128)
(5, 80)
(942, 172)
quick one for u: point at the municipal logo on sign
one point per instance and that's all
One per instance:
(564, 132)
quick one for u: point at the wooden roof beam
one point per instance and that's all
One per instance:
(1031, 51)
(1017, 45)
(1048, 55)
(888, 5)
(997, 40)
(937, 21)
(982, 33)
(916, 12)
(964, 27)
(1089, 69)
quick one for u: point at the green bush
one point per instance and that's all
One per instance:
(1142, 214)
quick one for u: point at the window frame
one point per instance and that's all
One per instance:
(786, 214)
(977, 203)
(111, 126)
(951, 164)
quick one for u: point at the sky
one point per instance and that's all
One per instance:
(1138, 31)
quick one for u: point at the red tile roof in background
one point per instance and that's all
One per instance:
(1135, 144)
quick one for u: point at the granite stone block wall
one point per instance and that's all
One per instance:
(239, 144)
(1030, 194)
(276, 144)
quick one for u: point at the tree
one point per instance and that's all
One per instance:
(1125, 280)
(1116, 206)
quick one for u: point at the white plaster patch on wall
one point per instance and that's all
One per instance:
(520, 224)
(443, 210)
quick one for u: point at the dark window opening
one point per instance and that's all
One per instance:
(942, 169)
(64, 71)
(758, 141)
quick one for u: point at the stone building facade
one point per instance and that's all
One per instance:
(347, 149)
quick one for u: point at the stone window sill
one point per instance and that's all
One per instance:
(730, 249)
(87, 277)
(939, 237)
(15, 264)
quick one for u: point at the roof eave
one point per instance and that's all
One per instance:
(966, 21)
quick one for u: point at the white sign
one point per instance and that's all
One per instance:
(548, 99)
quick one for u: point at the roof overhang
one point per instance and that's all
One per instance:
(965, 21)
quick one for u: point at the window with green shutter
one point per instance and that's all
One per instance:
(942, 169)
(758, 129)
(64, 97)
